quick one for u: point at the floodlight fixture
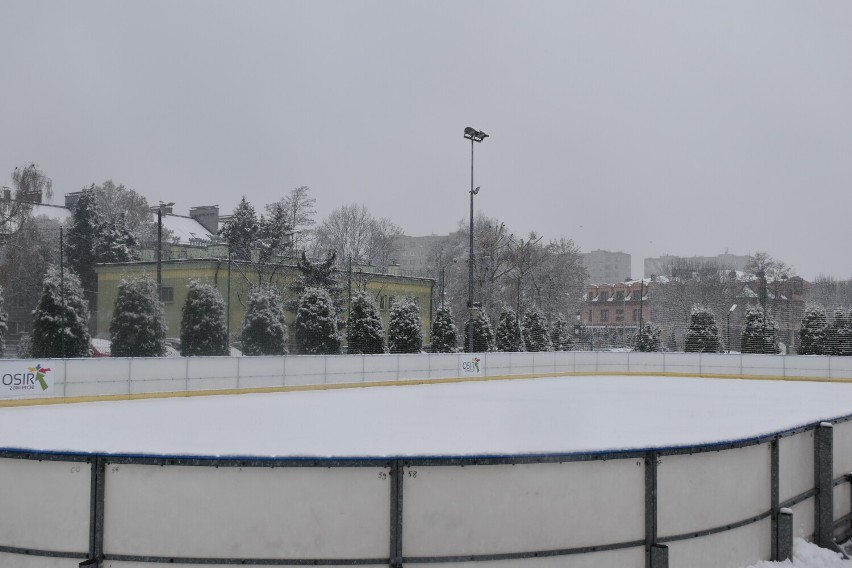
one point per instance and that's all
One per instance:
(474, 135)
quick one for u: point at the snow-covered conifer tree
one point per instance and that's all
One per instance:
(264, 330)
(560, 334)
(509, 331)
(241, 230)
(703, 333)
(316, 323)
(138, 328)
(760, 334)
(536, 337)
(444, 332)
(838, 337)
(483, 334)
(61, 328)
(404, 328)
(83, 237)
(203, 330)
(813, 331)
(364, 330)
(648, 339)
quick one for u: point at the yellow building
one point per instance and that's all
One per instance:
(239, 277)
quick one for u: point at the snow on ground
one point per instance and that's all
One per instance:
(525, 416)
(807, 555)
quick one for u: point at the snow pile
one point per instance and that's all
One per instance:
(808, 555)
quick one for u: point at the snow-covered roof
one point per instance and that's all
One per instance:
(55, 212)
(186, 229)
(527, 416)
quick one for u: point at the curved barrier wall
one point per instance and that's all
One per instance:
(129, 377)
(714, 505)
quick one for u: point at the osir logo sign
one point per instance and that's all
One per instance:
(471, 365)
(26, 381)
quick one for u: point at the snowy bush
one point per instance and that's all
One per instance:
(264, 330)
(316, 323)
(203, 330)
(509, 332)
(405, 334)
(536, 337)
(703, 333)
(560, 334)
(648, 340)
(444, 332)
(483, 334)
(138, 328)
(838, 336)
(364, 330)
(812, 332)
(61, 328)
(760, 334)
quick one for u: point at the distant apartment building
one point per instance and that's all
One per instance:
(605, 267)
(416, 254)
(660, 265)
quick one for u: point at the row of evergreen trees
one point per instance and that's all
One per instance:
(531, 333)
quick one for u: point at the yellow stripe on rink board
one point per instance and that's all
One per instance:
(401, 382)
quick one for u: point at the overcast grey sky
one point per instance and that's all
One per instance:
(648, 127)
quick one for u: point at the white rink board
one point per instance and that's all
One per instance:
(23, 561)
(44, 504)
(626, 558)
(735, 548)
(231, 512)
(725, 487)
(803, 519)
(122, 564)
(842, 448)
(796, 465)
(489, 509)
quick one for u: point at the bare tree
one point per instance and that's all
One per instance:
(769, 272)
(384, 242)
(31, 186)
(559, 279)
(297, 209)
(346, 231)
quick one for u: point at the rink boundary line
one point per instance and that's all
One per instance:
(401, 382)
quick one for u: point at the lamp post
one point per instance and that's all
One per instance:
(473, 135)
(160, 209)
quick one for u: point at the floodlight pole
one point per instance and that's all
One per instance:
(474, 136)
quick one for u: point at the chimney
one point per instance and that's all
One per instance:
(7, 193)
(207, 216)
(71, 199)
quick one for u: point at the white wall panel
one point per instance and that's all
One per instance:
(493, 509)
(613, 362)
(158, 368)
(563, 361)
(763, 365)
(711, 489)
(645, 362)
(585, 362)
(496, 364)
(443, 365)
(106, 369)
(300, 512)
(842, 500)
(803, 519)
(211, 367)
(735, 548)
(719, 364)
(686, 363)
(258, 372)
(544, 362)
(796, 465)
(522, 363)
(44, 504)
(304, 370)
(211, 383)
(413, 366)
(626, 558)
(842, 443)
(841, 367)
(380, 368)
(807, 366)
(23, 561)
(341, 369)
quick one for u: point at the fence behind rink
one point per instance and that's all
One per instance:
(712, 505)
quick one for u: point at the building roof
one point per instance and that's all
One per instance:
(186, 229)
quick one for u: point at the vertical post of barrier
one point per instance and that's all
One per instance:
(823, 471)
(96, 513)
(659, 556)
(651, 514)
(784, 535)
(774, 499)
(396, 515)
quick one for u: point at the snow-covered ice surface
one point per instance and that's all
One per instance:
(511, 417)
(807, 555)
